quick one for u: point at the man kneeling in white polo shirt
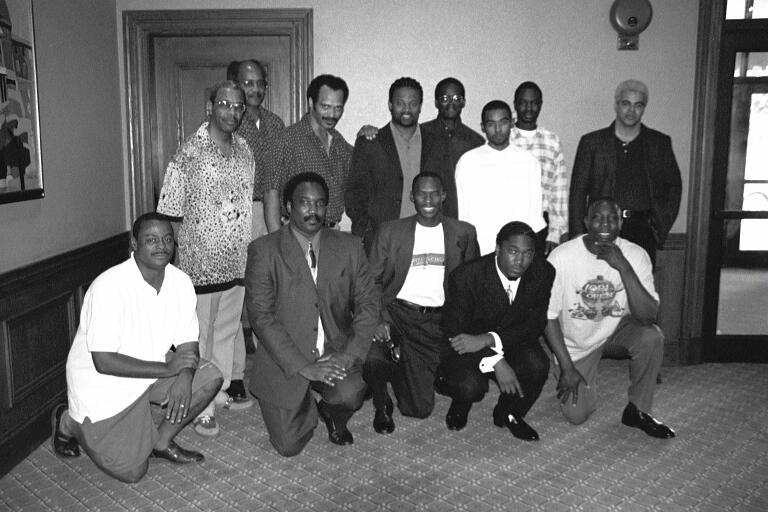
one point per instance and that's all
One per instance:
(123, 358)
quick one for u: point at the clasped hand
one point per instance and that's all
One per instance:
(328, 369)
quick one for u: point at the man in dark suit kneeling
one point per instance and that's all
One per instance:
(410, 261)
(495, 310)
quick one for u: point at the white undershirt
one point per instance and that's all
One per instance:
(424, 282)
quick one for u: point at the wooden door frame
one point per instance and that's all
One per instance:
(711, 27)
(139, 30)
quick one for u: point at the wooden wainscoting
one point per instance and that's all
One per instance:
(39, 312)
(670, 279)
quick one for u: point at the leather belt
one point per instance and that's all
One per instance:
(416, 307)
(632, 214)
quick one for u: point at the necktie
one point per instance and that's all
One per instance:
(510, 293)
(312, 257)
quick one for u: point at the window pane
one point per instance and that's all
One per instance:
(738, 9)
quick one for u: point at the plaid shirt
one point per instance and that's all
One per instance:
(545, 146)
(212, 193)
(298, 150)
(260, 139)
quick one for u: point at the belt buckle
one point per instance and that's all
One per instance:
(625, 214)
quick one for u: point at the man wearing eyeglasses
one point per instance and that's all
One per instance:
(260, 128)
(377, 190)
(453, 138)
(545, 146)
(208, 187)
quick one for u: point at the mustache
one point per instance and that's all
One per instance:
(331, 119)
(313, 216)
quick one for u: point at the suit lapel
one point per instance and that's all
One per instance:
(452, 249)
(387, 141)
(327, 260)
(427, 141)
(295, 258)
(497, 295)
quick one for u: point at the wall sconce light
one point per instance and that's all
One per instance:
(629, 18)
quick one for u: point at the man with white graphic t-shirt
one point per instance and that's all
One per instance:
(603, 301)
(410, 260)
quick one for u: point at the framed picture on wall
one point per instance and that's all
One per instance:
(21, 170)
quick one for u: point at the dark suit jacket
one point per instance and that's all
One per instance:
(284, 303)
(594, 176)
(477, 303)
(375, 184)
(392, 248)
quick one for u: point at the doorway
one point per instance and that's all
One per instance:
(172, 57)
(735, 319)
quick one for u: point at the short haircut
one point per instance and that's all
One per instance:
(445, 82)
(405, 81)
(234, 68)
(298, 179)
(334, 82)
(226, 84)
(603, 199)
(631, 86)
(515, 228)
(424, 175)
(526, 86)
(147, 217)
(495, 105)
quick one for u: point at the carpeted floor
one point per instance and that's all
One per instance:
(719, 460)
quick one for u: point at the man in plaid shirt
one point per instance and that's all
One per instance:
(545, 146)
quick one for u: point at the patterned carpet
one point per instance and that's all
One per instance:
(719, 460)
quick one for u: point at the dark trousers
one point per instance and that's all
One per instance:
(466, 384)
(291, 429)
(638, 230)
(420, 340)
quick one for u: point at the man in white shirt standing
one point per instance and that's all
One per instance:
(410, 262)
(120, 362)
(498, 182)
(545, 146)
(604, 301)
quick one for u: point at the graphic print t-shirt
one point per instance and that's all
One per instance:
(424, 283)
(588, 296)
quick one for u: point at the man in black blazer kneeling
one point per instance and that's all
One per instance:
(495, 310)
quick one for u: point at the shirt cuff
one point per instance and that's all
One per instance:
(497, 346)
(487, 363)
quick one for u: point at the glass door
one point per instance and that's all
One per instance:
(736, 314)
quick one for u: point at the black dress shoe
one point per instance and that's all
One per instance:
(517, 425)
(382, 420)
(337, 434)
(633, 417)
(178, 455)
(456, 418)
(63, 446)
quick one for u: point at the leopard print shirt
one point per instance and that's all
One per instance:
(212, 193)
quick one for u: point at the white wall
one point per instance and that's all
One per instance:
(567, 46)
(80, 132)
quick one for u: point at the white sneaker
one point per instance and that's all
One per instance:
(206, 426)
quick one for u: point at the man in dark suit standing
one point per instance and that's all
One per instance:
(410, 259)
(634, 165)
(377, 187)
(495, 310)
(314, 308)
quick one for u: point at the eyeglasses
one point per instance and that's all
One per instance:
(231, 105)
(261, 84)
(445, 99)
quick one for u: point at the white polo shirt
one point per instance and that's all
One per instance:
(122, 313)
